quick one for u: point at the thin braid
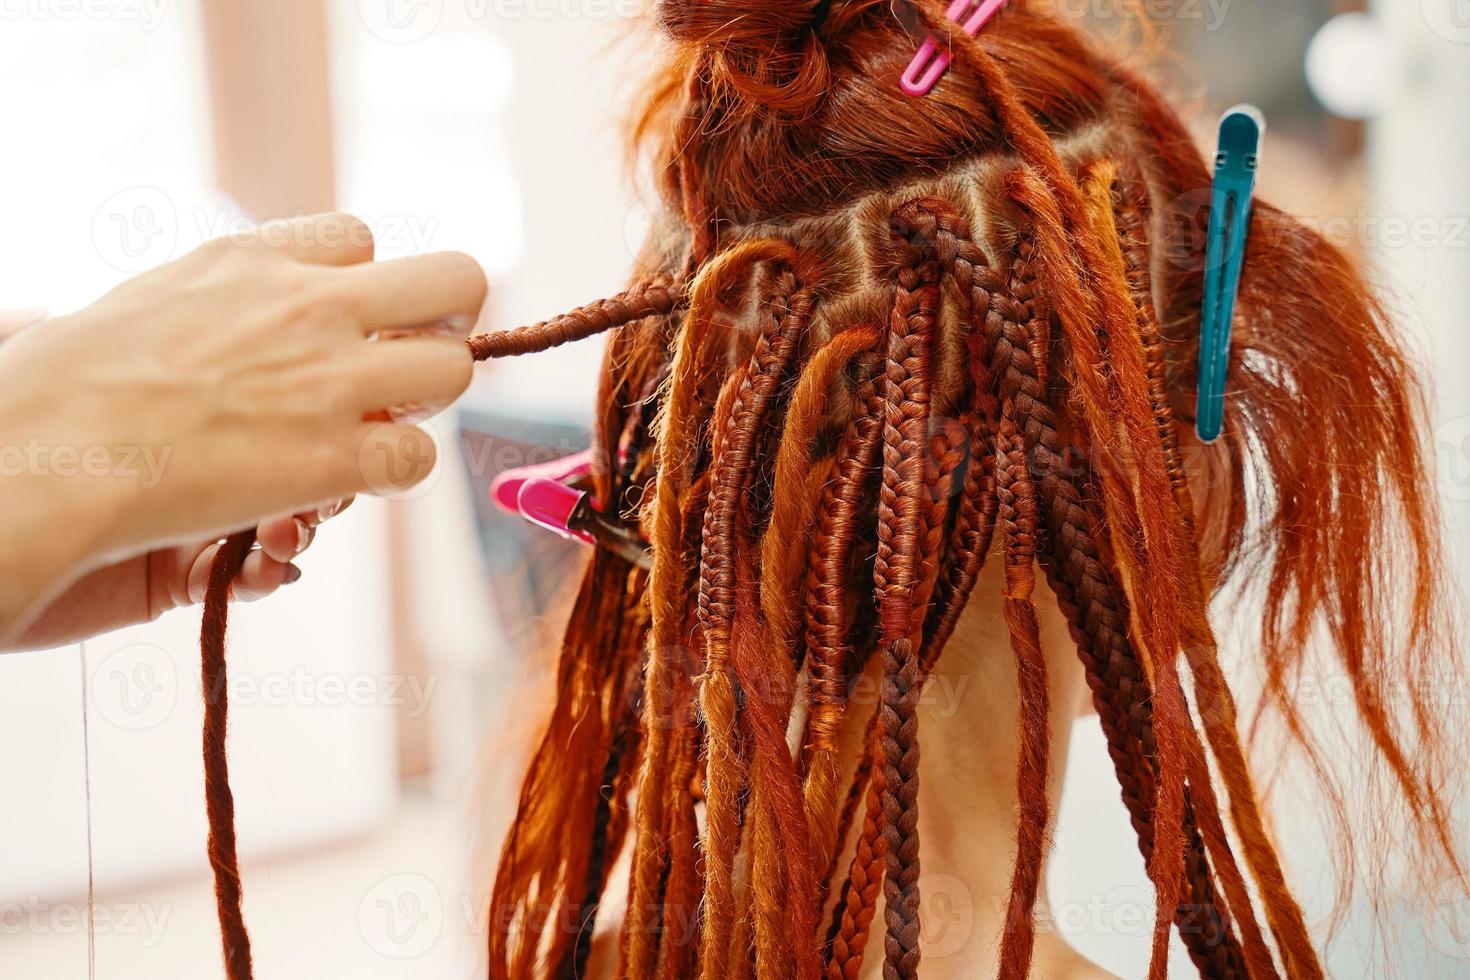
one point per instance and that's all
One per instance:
(725, 760)
(979, 505)
(733, 461)
(647, 299)
(1092, 601)
(1111, 409)
(865, 876)
(944, 458)
(668, 598)
(857, 787)
(1136, 779)
(785, 893)
(575, 965)
(218, 797)
(677, 945)
(971, 541)
(900, 515)
(1094, 306)
(1128, 201)
(1014, 500)
(971, 537)
(679, 937)
(783, 561)
(1019, 517)
(828, 614)
(890, 830)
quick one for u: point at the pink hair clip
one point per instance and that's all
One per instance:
(551, 495)
(930, 63)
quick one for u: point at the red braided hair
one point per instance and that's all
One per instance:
(870, 335)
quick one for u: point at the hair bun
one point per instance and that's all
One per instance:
(742, 23)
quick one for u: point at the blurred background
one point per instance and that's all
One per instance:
(380, 708)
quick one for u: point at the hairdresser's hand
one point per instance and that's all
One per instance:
(144, 588)
(234, 383)
(139, 590)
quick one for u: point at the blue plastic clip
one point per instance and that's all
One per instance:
(1230, 216)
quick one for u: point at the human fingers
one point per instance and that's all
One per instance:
(418, 291)
(259, 576)
(333, 238)
(412, 371)
(394, 457)
(326, 511)
(283, 538)
(197, 580)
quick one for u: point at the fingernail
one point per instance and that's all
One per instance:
(292, 574)
(459, 325)
(412, 412)
(303, 535)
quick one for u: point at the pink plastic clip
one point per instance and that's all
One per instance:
(930, 63)
(542, 494)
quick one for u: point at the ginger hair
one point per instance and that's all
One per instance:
(869, 338)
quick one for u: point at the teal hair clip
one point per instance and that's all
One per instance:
(1230, 217)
